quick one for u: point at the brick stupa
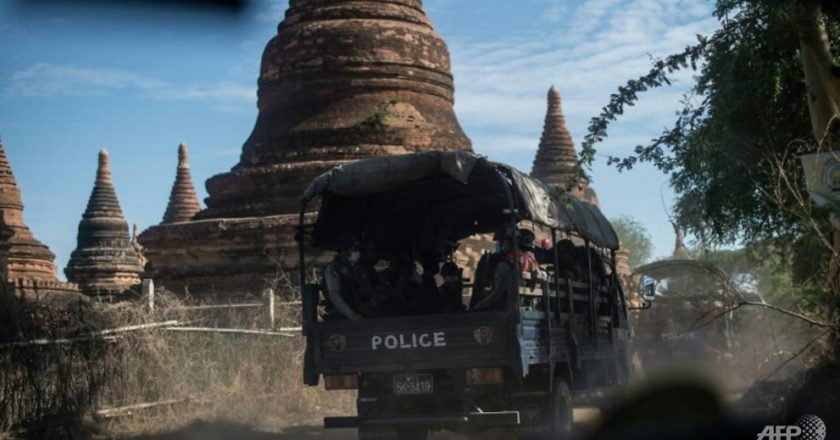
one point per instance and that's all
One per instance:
(556, 166)
(104, 262)
(27, 257)
(183, 202)
(340, 81)
(556, 161)
(27, 263)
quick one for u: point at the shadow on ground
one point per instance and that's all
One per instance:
(219, 431)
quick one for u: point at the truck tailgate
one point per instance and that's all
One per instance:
(456, 340)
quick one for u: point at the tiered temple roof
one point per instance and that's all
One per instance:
(183, 201)
(556, 160)
(27, 257)
(104, 262)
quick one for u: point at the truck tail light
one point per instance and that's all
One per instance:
(485, 376)
(342, 382)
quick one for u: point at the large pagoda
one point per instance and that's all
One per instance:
(340, 81)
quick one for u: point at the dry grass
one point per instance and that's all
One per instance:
(249, 379)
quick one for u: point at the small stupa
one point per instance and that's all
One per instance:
(27, 257)
(104, 262)
(183, 201)
(556, 162)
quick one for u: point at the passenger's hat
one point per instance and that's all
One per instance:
(527, 239)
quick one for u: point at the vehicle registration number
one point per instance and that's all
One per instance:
(410, 384)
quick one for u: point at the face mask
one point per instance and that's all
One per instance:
(354, 257)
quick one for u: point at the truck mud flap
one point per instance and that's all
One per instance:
(504, 418)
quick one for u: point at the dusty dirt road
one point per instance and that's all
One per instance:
(222, 431)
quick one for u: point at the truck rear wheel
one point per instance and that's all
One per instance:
(562, 411)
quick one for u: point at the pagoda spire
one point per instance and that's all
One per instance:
(556, 162)
(104, 262)
(556, 157)
(26, 257)
(183, 201)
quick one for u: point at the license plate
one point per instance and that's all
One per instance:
(410, 384)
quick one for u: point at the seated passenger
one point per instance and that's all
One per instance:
(567, 263)
(486, 268)
(429, 292)
(408, 292)
(378, 284)
(573, 264)
(451, 291)
(544, 252)
(527, 258)
(504, 275)
(344, 283)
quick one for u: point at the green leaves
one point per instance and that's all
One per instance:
(635, 238)
(731, 151)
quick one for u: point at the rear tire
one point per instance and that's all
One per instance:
(562, 411)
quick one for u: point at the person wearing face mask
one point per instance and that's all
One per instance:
(344, 288)
(486, 267)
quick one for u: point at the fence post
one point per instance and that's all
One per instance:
(148, 288)
(269, 299)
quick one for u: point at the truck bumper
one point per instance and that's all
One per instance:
(505, 418)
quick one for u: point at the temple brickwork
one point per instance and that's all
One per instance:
(340, 81)
(104, 262)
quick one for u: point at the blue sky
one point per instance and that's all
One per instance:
(74, 80)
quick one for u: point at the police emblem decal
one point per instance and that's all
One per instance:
(531, 414)
(337, 342)
(484, 335)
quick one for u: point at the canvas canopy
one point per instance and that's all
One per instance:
(661, 270)
(445, 195)
(696, 277)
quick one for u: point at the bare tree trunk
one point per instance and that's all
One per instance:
(822, 74)
(822, 81)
